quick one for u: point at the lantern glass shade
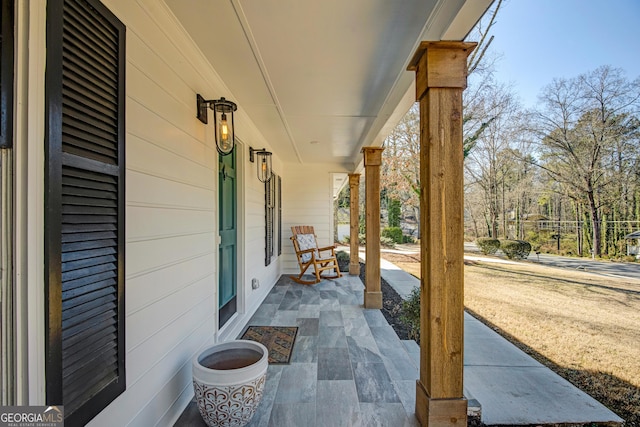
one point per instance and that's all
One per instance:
(223, 124)
(263, 161)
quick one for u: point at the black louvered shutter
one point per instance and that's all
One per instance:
(84, 207)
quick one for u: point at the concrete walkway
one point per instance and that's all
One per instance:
(511, 387)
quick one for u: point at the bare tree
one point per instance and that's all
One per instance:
(581, 123)
(401, 167)
(492, 165)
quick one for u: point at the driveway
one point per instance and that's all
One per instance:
(617, 269)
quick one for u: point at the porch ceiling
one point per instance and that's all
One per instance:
(321, 79)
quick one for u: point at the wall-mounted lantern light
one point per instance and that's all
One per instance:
(222, 120)
(264, 162)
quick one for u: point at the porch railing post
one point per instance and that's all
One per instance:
(354, 223)
(441, 76)
(372, 162)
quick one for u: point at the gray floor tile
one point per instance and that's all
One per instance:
(284, 280)
(406, 390)
(413, 349)
(383, 368)
(399, 366)
(263, 413)
(332, 336)
(380, 415)
(337, 403)
(307, 326)
(291, 300)
(373, 383)
(293, 415)
(347, 298)
(285, 318)
(363, 349)
(328, 294)
(352, 311)
(386, 337)
(190, 417)
(309, 310)
(357, 327)
(331, 318)
(275, 296)
(334, 364)
(375, 318)
(297, 384)
(310, 296)
(264, 315)
(305, 349)
(327, 285)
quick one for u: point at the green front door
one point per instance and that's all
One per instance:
(228, 237)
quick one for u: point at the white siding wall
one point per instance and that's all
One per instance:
(306, 200)
(171, 214)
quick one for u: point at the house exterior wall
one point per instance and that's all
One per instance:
(307, 200)
(171, 214)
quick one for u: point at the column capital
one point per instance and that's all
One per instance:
(440, 64)
(354, 179)
(372, 155)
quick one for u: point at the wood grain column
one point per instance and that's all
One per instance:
(441, 76)
(354, 223)
(372, 162)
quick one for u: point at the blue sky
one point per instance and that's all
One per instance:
(539, 40)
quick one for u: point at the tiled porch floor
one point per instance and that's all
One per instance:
(348, 367)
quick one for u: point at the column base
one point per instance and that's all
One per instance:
(439, 412)
(354, 269)
(373, 300)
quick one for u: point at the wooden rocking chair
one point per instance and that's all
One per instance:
(309, 254)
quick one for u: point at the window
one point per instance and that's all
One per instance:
(84, 202)
(279, 189)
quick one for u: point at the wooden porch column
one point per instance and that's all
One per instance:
(372, 161)
(354, 223)
(441, 76)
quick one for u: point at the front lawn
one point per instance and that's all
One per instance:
(585, 327)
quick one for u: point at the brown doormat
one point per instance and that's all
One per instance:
(279, 340)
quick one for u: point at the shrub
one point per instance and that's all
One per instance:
(393, 233)
(387, 242)
(410, 314)
(394, 213)
(343, 259)
(516, 249)
(488, 245)
(408, 239)
(342, 256)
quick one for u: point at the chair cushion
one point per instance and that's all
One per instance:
(306, 241)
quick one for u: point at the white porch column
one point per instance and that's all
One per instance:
(441, 76)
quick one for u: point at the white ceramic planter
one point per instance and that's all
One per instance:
(228, 380)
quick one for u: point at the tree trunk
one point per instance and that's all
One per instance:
(578, 230)
(595, 224)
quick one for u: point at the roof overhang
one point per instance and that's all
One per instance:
(321, 79)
